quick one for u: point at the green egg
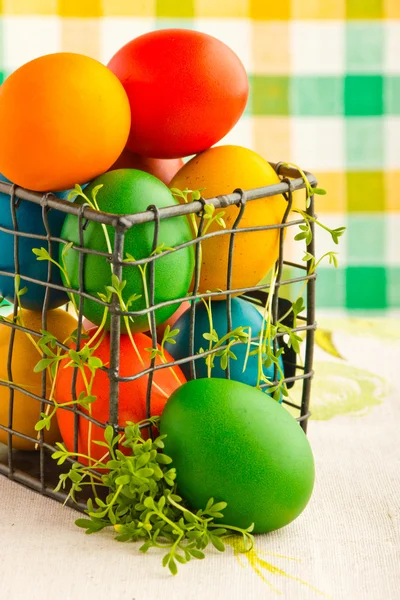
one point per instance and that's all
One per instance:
(231, 442)
(130, 191)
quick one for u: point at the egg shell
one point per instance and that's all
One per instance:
(231, 442)
(186, 90)
(29, 220)
(132, 394)
(163, 169)
(171, 321)
(26, 410)
(244, 314)
(64, 119)
(219, 171)
(127, 191)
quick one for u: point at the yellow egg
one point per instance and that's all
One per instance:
(26, 412)
(219, 171)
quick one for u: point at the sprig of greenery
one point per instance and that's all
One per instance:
(184, 195)
(310, 191)
(222, 346)
(143, 504)
(306, 233)
(210, 214)
(43, 254)
(78, 192)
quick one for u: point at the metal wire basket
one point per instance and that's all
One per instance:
(36, 469)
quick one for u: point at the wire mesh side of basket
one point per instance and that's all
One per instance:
(36, 469)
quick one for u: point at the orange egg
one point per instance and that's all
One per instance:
(219, 171)
(64, 119)
(26, 410)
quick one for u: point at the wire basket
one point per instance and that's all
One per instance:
(36, 469)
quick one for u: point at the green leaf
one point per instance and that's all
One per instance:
(224, 361)
(42, 365)
(145, 472)
(190, 518)
(72, 195)
(133, 298)
(42, 253)
(181, 559)
(122, 480)
(300, 236)
(43, 423)
(172, 566)
(219, 531)
(142, 460)
(78, 189)
(196, 195)
(99, 443)
(95, 191)
(86, 400)
(197, 553)
(149, 502)
(117, 284)
(219, 506)
(109, 435)
(163, 459)
(84, 523)
(75, 476)
(165, 560)
(75, 356)
(94, 362)
(209, 504)
(213, 337)
(217, 543)
(146, 546)
(298, 306)
(307, 256)
(66, 248)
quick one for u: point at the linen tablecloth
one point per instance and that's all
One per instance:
(346, 545)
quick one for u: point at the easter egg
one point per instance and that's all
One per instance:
(231, 442)
(26, 410)
(132, 394)
(244, 314)
(29, 219)
(172, 320)
(64, 119)
(219, 171)
(186, 90)
(128, 191)
(162, 169)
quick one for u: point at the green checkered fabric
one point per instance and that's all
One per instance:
(325, 94)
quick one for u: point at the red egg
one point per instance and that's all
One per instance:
(186, 91)
(132, 394)
(162, 169)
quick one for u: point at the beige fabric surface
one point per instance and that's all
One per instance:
(346, 544)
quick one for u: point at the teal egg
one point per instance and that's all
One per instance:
(244, 314)
(29, 219)
(231, 442)
(129, 191)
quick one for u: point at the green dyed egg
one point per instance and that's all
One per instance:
(129, 191)
(231, 442)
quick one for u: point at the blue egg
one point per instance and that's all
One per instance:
(29, 220)
(244, 314)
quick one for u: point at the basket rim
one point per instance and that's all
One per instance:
(126, 221)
